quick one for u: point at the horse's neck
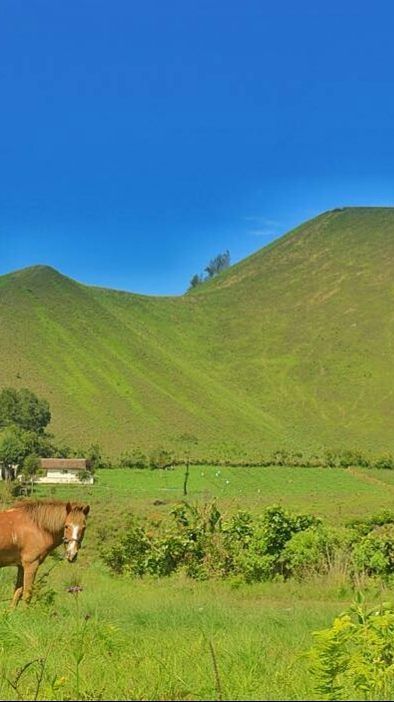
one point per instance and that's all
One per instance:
(57, 538)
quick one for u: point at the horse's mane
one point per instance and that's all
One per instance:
(47, 514)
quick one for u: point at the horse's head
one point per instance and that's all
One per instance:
(74, 529)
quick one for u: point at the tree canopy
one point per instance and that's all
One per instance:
(23, 409)
(218, 264)
(214, 267)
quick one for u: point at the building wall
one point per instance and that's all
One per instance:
(65, 477)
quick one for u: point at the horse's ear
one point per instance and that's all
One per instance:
(86, 510)
(68, 507)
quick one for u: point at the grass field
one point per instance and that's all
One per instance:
(336, 494)
(151, 639)
(284, 350)
(175, 638)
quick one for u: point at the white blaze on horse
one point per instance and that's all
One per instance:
(31, 529)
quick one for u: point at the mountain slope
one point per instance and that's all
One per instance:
(293, 347)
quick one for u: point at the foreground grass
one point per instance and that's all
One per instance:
(164, 639)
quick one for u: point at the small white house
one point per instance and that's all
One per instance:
(64, 471)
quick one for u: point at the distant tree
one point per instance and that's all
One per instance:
(214, 267)
(161, 458)
(22, 408)
(13, 450)
(95, 457)
(187, 441)
(31, 469)
(38, 443)
(195, 281)
(218, 264)
(63, 451)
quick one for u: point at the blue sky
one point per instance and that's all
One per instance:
(140, 138)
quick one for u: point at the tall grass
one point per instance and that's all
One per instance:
(169, 639)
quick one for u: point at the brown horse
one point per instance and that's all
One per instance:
(33, 528)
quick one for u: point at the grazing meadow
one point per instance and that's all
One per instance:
(90, 634)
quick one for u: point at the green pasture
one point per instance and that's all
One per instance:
(333, 493)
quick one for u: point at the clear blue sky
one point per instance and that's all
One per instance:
(140, 138)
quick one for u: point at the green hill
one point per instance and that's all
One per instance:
(292, 347)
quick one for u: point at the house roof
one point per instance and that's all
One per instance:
(64, 463)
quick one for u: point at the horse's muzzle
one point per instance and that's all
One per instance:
(71, 557)
(72, 548)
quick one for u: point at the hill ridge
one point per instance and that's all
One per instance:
(322, 218)
(284, 349)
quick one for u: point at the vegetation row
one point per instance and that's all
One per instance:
(277, 544)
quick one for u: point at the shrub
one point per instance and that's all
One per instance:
(95, 457)
(344, 458)
(364, 526)
(255, 546)
(129, 555)
(134, 459)
(161, 459)
(198, 530)
(312, 551)
(277, 527)
(352, 458)
(385, 462)
(374, 553)
(167, 553)
(330, 458)
(277, 544)
(354, 658)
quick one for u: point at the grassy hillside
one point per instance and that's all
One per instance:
(293, 347)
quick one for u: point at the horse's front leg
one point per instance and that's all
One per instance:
(18, 587)
(28, 579)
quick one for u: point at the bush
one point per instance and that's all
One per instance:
(364, 526)
(385, 462)
(95, 458)
(161, 459)
(352, 458)
(255, 546)
(196, 536)
(312, 551)
(129, 555)
(354, 658)
(374, 553)
(134, 459)
(277, 544)
(344, 458)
